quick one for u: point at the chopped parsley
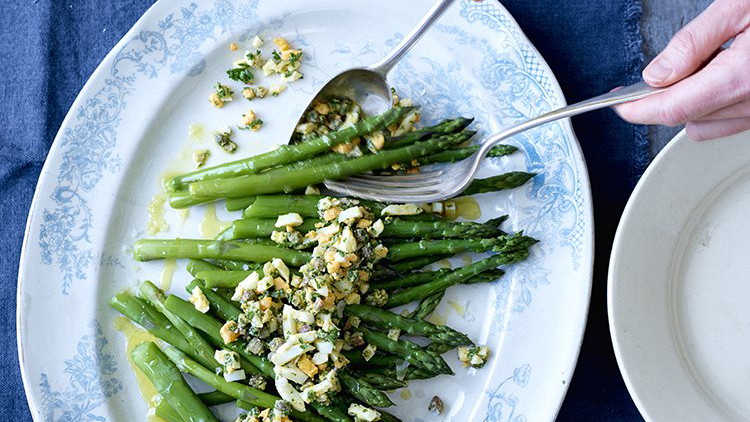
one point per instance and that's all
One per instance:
(241, 73)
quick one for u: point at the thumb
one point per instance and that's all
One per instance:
(697, 42)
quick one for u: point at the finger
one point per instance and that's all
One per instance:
(734, 111)
(694, 44)
(721, 83)
(702, 130)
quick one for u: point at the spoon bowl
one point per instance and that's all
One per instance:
(364, 86)
(368, 86)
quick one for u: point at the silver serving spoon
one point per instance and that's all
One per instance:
(368, 86)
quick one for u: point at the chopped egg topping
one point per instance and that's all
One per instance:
(296, 319)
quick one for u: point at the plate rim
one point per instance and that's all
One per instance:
(587, 266)
(613, 307)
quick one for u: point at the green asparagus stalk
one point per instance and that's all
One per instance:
(387, 417)
(239, 391)
(269, 206)
(431, 247)
(396, 228)
(407, 350)
(515, 250)
(387, 320)
(503, 181)
(285, 182)
(183, 199)
(214, 398)
(163, 410)
(409, 280)
(440, 347)
(377, 360)
(453, 155)
(169, 383)
(218, 279)
(363, 391)
(417, 263)
(409, 373)
(150, 249)
(427, 306)
(290, 153)
(443, 128)
(260, 227)
(251, 364)
(156, 298)
(152, 320)
(331, 413)
(238, 204)
(224, 308)
(194, 266)
(381, 382)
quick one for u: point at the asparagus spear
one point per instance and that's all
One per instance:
(516, 249)
(430, 247)
(194, 266)
(453, 155)
(417, 263)
(440, 347)
(260, 227)
(152, 320)
(509, 180)
(427, 306)
(224, 279)
(409, 373)
(149, 249)
(237, 204)
(287, 181)
(169, 383)
(251, 364)
(290, 153)
(378, 360)
(407, 350)
(222, 307)
(381, 382)
(362, 390)
(155, 296)
(332, 413)
(387, 320)
(163, 410)
(183, 199)
(213, 398)
(239, 391)
(409, 280)
(264, 227)
(443, 128)
(268, 206)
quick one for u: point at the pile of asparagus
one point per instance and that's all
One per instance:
(262, 187)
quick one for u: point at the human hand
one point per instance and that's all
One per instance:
(715, 100)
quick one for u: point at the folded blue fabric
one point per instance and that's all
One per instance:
(50, 47)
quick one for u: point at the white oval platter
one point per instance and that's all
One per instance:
(141, 114)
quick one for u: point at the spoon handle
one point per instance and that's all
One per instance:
(385, 64)
(623, 95)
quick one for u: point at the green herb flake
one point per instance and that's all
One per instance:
(242, 73)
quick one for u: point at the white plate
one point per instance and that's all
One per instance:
(130, 125)
(679, 284)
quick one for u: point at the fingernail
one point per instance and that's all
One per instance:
(658, 71)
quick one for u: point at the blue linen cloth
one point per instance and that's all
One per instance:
(50, 48)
